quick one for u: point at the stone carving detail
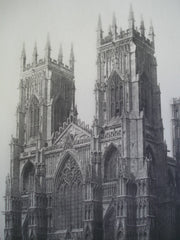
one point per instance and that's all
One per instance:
(72, 137)
(71, 173)
(69, 196)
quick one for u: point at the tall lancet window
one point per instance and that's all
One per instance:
(34, 117)
(115, 86)
(59, 113)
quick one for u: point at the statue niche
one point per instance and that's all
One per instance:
(110, 164)
(28, 178)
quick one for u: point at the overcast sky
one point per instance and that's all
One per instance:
(76, 21)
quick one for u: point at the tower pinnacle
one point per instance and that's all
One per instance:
(48, 49)
(72, 59)
(131, 18)
(60, 55)
(99, 26)
(142, 28)
(35, 54)
(23, 57)
(114, 27)
(99, 31)
(151, 33)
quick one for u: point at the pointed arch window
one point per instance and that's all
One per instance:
(69, 196)
(115, 95)
(28, 178)
(110, 165)
(59, 114)
(146, 96)
(34, 117)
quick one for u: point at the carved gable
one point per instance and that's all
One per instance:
(72, 135)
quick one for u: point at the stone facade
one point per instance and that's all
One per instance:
(175, 107)
(111, 181)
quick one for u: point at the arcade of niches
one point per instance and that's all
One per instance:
(112, 181)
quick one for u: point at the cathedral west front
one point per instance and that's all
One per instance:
(111, 181)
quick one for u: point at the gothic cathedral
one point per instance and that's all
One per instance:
(113, 181)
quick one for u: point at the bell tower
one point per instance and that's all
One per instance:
(126, 73)
(128, 114)
(46, 96)
(46, 100)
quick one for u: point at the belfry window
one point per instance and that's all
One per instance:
(34, 117)
(115, 95)
(59, 113)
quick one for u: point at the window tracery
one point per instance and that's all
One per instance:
(34, 117)
(69, 196)
(110, 166)
(115, 95)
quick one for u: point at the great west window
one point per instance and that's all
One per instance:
(69, 196)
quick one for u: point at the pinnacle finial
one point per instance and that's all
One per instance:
(99, 31)
(23, 58)
(142, 28)
(72, 60)
(72, 52)
(48, 49)
(114, 20)
(131, 12)
(23, 53)
(151, 33)
(131, 17)
(48, 44)
(114, 27)
(60, 56)
(99, 26)
(151, 29)
(35, 54)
